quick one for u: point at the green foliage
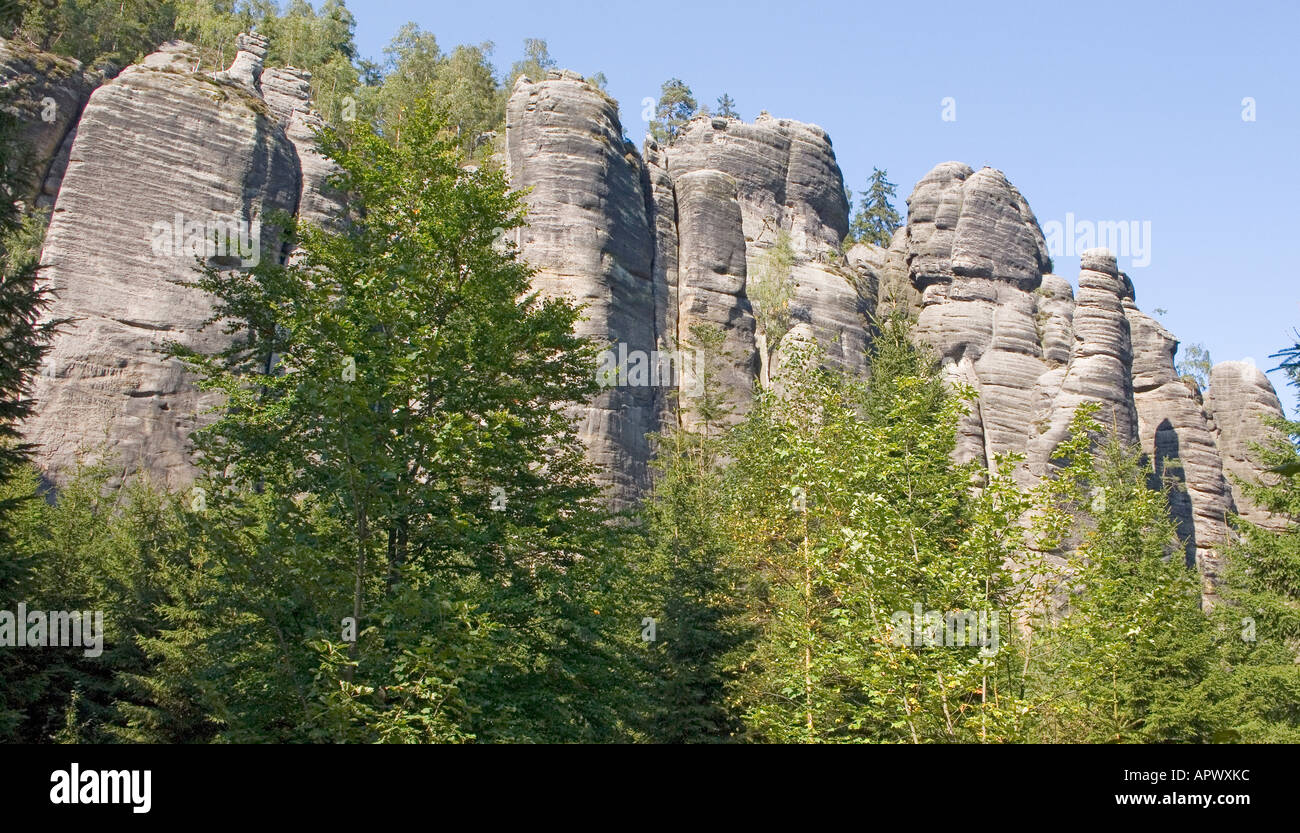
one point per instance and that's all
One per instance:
(406, 465)
(773, 290)
(1133, 658)
(848, 512)
(676, 107)
(536, 63)
(876, 220)
(692, 582)
(727, 107)
(1195, 364)
(1261, 615)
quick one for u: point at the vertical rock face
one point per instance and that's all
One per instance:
(590, 239)
(1239, 402)
(974, 253)
(163, 157)
(48, 94)
(687, 234)
(1176, 435)
(743, 191)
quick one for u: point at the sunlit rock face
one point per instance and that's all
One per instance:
(161, 153)
(658, 245)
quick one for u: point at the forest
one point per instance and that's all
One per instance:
(396, 536)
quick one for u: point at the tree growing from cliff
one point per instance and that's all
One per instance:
(773, 291)
(676, 107)
(876, 220)
(727, 107)
(1195, 364)
(537, 61)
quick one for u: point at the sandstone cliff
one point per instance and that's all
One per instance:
(653, 243)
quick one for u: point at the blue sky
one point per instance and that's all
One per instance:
(1109, 111)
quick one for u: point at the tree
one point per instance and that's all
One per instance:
(688, 565)
(536, 62)
(772, 291)
(1261, 590)
(848, 516)
(876, 220)
(1195, 364)
(727, 107)
(407, 467)
(676, 107)
(25, 333)
(1133, 658)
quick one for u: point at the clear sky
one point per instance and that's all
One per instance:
(1109, 111)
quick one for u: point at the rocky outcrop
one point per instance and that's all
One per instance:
(48, 93)
(589, 238)
(163, 157)
(732, 226)
(1175, 433)
(1240, 402)
(764, 202)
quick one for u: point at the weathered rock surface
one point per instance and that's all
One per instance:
(48, 94)
(1239, 402)
(652, 244)
(590, 239)
(1175, 434)
(160, 153)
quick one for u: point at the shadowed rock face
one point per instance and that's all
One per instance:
(49, 93)
(1240, 401)
(160, 153)
(651, 244)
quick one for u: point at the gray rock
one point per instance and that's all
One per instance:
(590, 240)
(156, 148)
(1239, 402)
(1176, 436)
(49, 93)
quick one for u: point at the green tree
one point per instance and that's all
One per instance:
(727, 107)
(537, 61)
(676, 107)
(848, 515)
(409, 460)
(1261, 614)
(1133, 659)
(876, 220)
(1195, 364)
(772, 292)
(689, 566)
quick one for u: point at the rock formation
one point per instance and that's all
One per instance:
(48, 93)
(163, 159)
(703, 231)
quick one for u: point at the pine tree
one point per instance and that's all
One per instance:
(688, 565)
(876, 220)
(676, 107)
(1133, 659)
(727, 107)
(1260, 616)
